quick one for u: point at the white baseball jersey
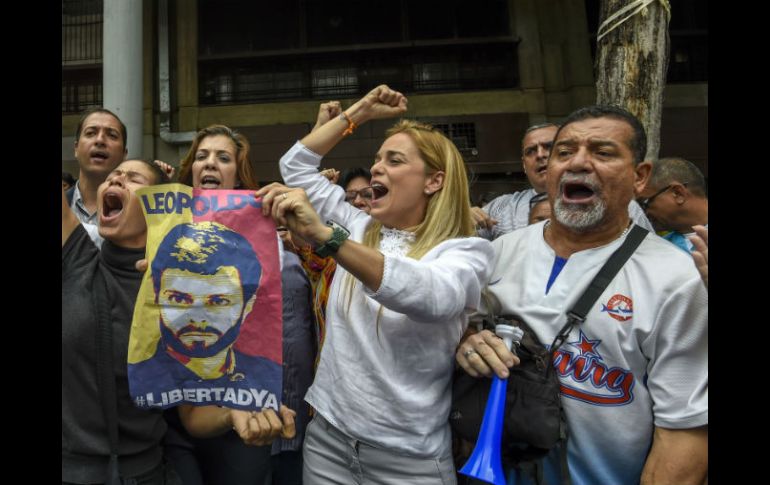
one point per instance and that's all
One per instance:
(639, 360)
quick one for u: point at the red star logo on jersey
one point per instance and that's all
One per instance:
(587, 346)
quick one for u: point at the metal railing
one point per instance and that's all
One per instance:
(81, 52)
(81, 32)
(81, 90)
(354, 74)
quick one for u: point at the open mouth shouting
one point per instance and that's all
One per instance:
(378, 191)
(210, 182)
(577, 192)
(112, 206)
(98, 156)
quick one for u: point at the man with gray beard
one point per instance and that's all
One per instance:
(580, 218)
(634, 374)
(509, 212)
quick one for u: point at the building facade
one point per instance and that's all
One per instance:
(481, 70)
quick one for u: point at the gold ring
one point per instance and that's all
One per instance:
(468, 353)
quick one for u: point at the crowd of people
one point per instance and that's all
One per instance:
(386, 273)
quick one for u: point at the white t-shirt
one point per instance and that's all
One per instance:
(511, 211)
(386, 365)
(639, 360)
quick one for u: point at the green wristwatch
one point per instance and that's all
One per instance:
(339, 235)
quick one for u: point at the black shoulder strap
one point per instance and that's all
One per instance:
(580, 309)
(104, 371)
(577, 314)
(608, 272)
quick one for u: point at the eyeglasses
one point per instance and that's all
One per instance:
(365, 193)
(645, 203)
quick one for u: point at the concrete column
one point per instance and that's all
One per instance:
(186, 82)
(525, 25)
(122, 67)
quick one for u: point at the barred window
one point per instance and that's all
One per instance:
(81, 54)
(320, 49)
(463, 135)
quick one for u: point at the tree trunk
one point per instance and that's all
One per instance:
(631, 65)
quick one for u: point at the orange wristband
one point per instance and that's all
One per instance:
(351, 126)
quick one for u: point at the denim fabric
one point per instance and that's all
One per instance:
(331, 457)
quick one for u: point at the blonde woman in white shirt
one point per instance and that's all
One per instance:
(408, 276)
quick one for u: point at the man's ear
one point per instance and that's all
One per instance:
(435, 182)
(642, 174)
(680, 192)
(249, 305)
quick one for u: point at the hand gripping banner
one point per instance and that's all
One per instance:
(207, 321)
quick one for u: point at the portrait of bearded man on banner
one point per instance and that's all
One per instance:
(205, 278)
